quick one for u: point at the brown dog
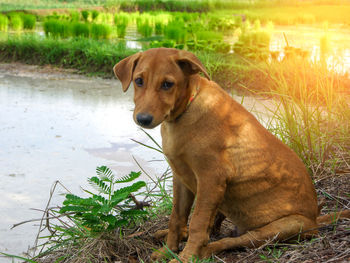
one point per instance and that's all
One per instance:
(220, 154)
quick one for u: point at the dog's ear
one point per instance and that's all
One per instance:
(190, 63)
(124, 69)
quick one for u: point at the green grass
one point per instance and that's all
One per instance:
(83, 54)
(85, 15)
(3, 23)
(29, 21)
(101, 31)
(57, 28)
(16, 21)
(311, 114)
(83, 30)
(144, 27)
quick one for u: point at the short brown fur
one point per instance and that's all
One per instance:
(220, 154)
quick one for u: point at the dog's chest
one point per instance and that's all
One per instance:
(174, 141)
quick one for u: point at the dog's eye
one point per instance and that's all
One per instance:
(167, 85)
(139, 82)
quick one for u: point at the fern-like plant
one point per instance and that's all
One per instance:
(109, 209)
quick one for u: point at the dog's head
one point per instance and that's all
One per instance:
(161, 82)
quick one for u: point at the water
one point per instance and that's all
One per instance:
(308, 38)
(61, 126)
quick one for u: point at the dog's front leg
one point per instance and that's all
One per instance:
(210, 193)
(182, 204)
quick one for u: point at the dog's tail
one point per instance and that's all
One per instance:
(332, 217)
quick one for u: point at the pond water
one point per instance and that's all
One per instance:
(61, 126)
(308, 38)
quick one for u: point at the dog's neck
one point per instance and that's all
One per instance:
(193, 88)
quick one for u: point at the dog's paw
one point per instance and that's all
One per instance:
(161, 234)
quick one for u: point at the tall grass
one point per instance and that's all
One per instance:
(176, 30)
(121, 20)
(311, 113)
(16, 21)
(82, 29)
(101, 31)
(74, 15)
(85, 14)
(144, 26)
(94, 14)
(29, 21)
(57, 28)
(3, 23)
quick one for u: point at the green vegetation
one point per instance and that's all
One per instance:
(57, 28)
(253, 43)
(85, 14)
(29, 21)
(83, 54)
(94, 14)
(81, 30)
(311, 115)
(144, 25)
(16, 21)
(121, 20)
(107, 210)
(100, 31)
(3, 23)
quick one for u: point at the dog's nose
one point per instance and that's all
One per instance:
(144, 119)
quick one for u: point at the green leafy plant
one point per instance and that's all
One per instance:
(109, 208)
